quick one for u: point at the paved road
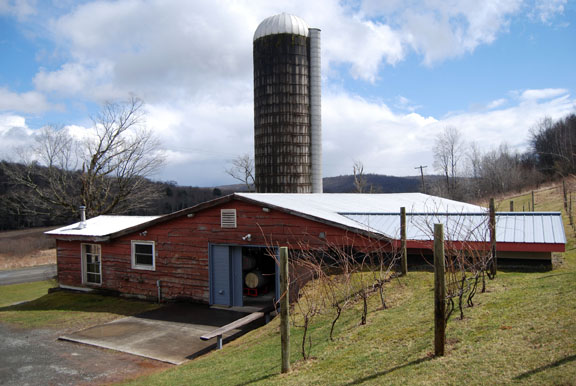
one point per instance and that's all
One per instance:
(28, 275)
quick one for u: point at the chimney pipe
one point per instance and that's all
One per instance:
(82, 217)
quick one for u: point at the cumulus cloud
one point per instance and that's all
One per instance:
(545, 10)
(19, 8)
(547, 93)
(192, 63)
(394, 143)
(26, 102)
(14, 135)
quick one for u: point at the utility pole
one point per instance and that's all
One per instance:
(422, 167)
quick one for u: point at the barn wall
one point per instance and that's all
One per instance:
(69, 262)
(182, 246)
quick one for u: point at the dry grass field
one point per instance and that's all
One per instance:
(26, 248)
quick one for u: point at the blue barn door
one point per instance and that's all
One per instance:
(225, 267)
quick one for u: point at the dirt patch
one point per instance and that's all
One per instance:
(43, 257)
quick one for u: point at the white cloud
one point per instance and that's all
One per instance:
(192, 63)
(14, 135)
(443, 29)
(26, 102)
(547, 93)
(19, 8)
(545, 10)
(496, 103)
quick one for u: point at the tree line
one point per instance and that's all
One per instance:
(104, 168)
(469, 174)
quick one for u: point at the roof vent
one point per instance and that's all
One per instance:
(82, 224)
(228, 218)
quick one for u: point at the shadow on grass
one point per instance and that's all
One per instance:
(262, 378)
(549, 366)
(81, 302)
(382, 373)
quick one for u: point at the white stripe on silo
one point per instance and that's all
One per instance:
(315, 110)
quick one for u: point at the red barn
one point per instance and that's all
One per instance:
(207, 253)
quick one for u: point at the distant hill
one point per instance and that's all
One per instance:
(377, 183)
(345, 184)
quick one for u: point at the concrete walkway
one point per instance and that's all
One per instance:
(170, 334)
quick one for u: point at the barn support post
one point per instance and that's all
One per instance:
(492, 227)
(284, 310)
(403, 248)
(439, 291)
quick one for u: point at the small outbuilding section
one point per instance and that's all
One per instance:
(224, 252)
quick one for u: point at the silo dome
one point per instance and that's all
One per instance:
(282, 24)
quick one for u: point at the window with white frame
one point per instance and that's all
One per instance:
(143, 255)
(91, 264)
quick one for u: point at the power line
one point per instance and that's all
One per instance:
(422, 167)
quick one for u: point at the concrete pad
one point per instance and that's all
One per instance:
(170, 334)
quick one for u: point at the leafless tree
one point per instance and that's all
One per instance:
(554, 144)
(242, 169)
(106, 171)
(448, 151)
(360, 180)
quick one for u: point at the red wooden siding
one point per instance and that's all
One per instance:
(182, 246)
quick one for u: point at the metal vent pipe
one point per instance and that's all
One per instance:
(315, 110)
(82, 209)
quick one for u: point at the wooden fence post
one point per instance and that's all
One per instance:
(284, 310)
(403, 247)
(439, 291)
(565, 195)
(570, 211)
(533, 203)
(492, 227)
(511, 205)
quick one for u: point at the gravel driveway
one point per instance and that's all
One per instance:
(36, 357)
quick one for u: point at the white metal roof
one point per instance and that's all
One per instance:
(341, 207)
(102, 226)
(377, 213)
(281, 24)
(511, 227)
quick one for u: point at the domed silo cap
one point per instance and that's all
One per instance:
(283, 23)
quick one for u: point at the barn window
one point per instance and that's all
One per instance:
(228, 218)
(143, 255)
(91, 264)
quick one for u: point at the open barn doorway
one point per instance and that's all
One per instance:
(243, 276)
(260, 276)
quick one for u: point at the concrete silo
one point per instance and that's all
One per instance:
(287, 121)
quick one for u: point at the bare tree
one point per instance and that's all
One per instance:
(448, 151)
(106, 171)
(242, 169)
(554, 144)
(360, 180)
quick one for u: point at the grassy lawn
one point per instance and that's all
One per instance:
(61, 310)
(521, 331)
(24, 292)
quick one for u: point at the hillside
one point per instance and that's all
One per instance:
(522, 330)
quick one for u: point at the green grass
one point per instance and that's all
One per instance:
(521, 331)
(62, 309)
(17, 293)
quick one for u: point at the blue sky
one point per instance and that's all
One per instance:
(395, 74)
